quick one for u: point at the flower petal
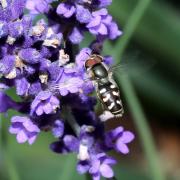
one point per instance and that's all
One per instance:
(39, 110)
(96, 176)
(106, 171)
(21, 137)
(71, 142)
(14, 130)
(127, 137)
(121, 147)
(95, 167)
(103, 29)
(47, 108)
(32, 139)
(95, 22)
(83, 167)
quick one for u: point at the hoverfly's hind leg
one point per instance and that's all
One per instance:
(113, 69)
(109, 115)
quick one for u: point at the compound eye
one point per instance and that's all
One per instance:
(87, 64)
(90, 63)
(93, 60)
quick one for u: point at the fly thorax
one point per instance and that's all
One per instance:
(99, 71)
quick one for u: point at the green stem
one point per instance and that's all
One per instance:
(131, 97)
(144, 131)
(88, 177)
(9, 164)
(66, 171)
(131, 26)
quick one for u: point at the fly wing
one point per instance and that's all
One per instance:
(134, 68)
(71, 85)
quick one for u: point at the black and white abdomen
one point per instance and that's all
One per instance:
(110, 98)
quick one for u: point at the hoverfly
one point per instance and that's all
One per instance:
(102, 78)
(106, 88)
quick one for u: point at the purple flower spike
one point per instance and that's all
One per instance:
(24, 129)
(44, 102)
(121, 139)
(45, 63)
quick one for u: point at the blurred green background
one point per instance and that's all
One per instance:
(149, 52)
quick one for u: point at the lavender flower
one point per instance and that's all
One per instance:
(83, 15)
(65, 9)
(44, 102)
(40, 6)
(118, 139)
(24, 128)
(101, 24)
(43, 63)
(99, 165)
(79, 16)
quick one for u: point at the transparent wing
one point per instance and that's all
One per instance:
(69, 85)
(134, 66)
(55, 88)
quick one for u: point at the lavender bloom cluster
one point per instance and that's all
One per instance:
(44, 64)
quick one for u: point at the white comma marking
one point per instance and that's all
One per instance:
(111, 106)
(112, 86)
(118, 102)
(107, 98)
(115, 93)
(102, 91)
